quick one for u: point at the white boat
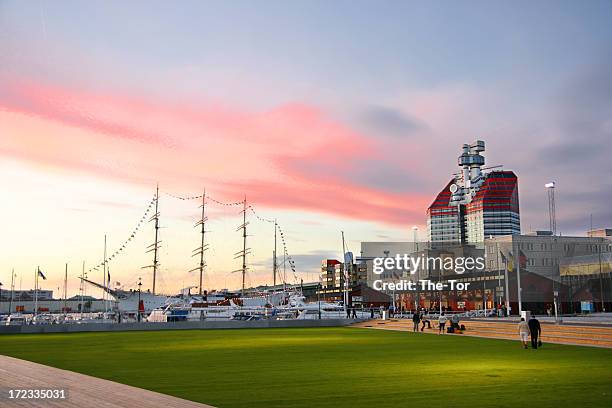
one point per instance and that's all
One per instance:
(127, 300)
(275, 305)
(102, 317)
(43, 319)
(16, 319)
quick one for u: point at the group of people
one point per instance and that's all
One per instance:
(527, 330)
(351, 312)
(422, 318)
(531, 329)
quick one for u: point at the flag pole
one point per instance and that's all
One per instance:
(36, 290)
(517, 258)
(507, 284)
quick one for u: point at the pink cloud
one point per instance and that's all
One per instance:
(274, 156)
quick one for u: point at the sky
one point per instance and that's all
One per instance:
(329, 116)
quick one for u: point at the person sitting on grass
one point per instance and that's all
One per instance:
(441, 323)
(523, 329)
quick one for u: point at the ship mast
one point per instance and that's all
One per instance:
(105, 265)
(154, 247)
(274, 266)
(242, 254)
(344, 273)
(65, 289)
(203, 247)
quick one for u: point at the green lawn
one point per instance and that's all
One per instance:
(331, 367)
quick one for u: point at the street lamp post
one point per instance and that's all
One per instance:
(415, 235)
(601, 292)
(319, 299)
(139, 286)
(12, 291)
(0, 297)
(552, 219)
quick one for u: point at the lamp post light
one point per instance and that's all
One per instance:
(393, 275)
(552, 220)
(139, 286)
(319, 299)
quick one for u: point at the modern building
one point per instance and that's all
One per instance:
(332, 278)
(475, 204)
(566, 269)
(576, 272)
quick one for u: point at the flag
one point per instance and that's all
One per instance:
(510, 262)
(41, 275)
(522, 259)
(108, 280)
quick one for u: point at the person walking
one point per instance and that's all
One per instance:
(416, 318)
(425, 321)
(523, 329)
(535, 330)
(441, 323)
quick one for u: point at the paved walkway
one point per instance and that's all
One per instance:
(83, 391)
(596, 336)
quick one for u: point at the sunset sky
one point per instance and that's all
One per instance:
(328, 115)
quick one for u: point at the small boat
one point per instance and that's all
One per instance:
(43, 319)
(16, 320)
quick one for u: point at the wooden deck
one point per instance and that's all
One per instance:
(594, 336)
(83, 391)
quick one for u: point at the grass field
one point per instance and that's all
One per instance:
(330, 367)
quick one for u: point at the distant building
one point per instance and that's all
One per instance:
(26, 294)
(88, 304)
(600, 233)
(475, 204)
(332, 278)
(576, 269)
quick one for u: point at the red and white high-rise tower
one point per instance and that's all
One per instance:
(475, 204)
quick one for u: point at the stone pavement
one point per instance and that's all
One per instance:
(551, 333)
(83, 391)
